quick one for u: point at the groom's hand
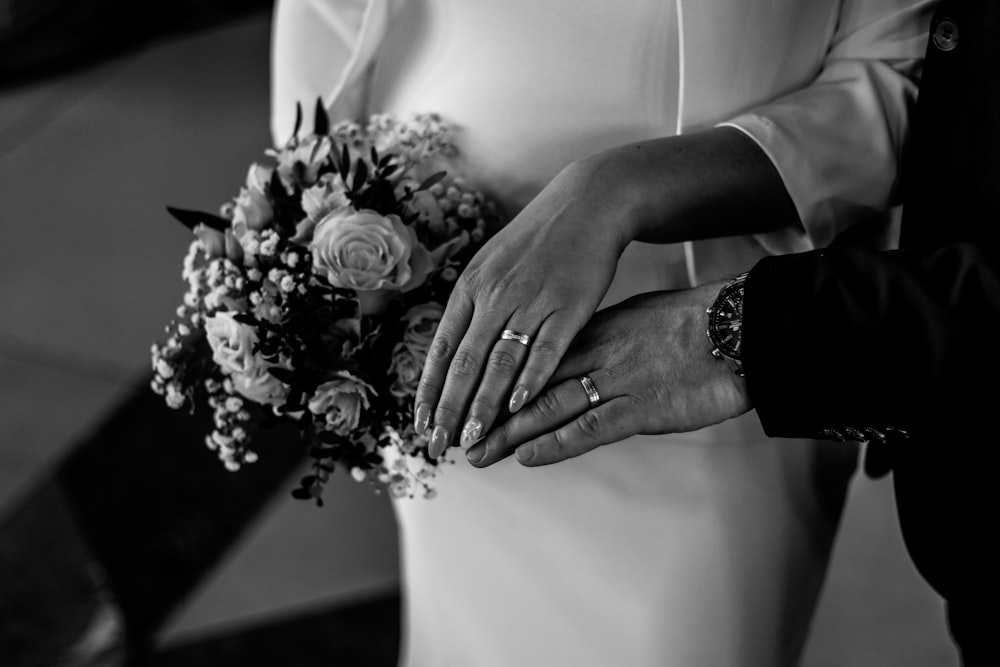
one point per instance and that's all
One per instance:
(649, 359)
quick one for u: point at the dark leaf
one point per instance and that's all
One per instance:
(360, 175)
(345, 164)
(298, 121)
(245, 318)
(374, 155)
(192, 219)
(284, 374)
(301, 494)
(315, 151)
(320, 452)
(328, 437)
(321, 123)
(431, 180)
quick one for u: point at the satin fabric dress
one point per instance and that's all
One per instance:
(706, 548)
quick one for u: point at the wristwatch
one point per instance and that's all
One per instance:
(725, 320)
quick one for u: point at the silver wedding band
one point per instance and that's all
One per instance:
(510, 334)
(592, 395)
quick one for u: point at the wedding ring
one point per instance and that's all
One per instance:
(510, 334)
(592, 395)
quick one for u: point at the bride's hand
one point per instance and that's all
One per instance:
(542, 276)
(650, 363)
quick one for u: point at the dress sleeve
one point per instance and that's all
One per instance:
(323, 49)
(836, 143)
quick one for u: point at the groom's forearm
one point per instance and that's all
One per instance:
(850, 337)
(688, 187)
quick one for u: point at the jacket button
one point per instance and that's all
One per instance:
(946, 35)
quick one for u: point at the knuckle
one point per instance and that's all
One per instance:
(464, 363)
(445, 413)
(546, 349)
(503, 361)
(483, 409)
(559, 445)
(427, 388)
(440, 350)
(548, 406)
(589, 423)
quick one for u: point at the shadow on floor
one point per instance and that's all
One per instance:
(126, 528)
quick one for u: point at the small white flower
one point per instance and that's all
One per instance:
(174, 401)
(250, 457)
(164, 369)
(270, 246)
(234, 404)
(287, 284)
(358, 474)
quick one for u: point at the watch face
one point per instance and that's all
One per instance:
(724, 320)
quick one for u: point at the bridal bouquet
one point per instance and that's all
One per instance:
(315, 294)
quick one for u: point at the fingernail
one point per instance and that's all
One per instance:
(439, 441)
(422, 418)
(470, 434)
(518, 398)
(525, 453)
(476, 453)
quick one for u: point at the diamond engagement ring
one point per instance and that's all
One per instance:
(510, 334)
(592, 395)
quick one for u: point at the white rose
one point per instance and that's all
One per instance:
(365, 251)
(341, 401)
(259, 177)
(212, 240)
(407, 365)
(232, 343)
(326, 196)
(252, 210)
(421, 323)
(260, 386)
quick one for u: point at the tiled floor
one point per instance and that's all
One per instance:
(89, 273)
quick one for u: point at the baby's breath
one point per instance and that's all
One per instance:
(262, 333)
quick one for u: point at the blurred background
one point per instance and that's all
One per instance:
(122, 540)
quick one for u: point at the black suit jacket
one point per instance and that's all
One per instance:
(849, 343)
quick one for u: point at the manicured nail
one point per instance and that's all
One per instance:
(525, 453)
(518, 398)
(422, 418)
(439, 441)
(476, 453)
(470, 434)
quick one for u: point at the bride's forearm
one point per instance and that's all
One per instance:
(709, 184)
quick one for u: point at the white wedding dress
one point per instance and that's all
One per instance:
(706, 548)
